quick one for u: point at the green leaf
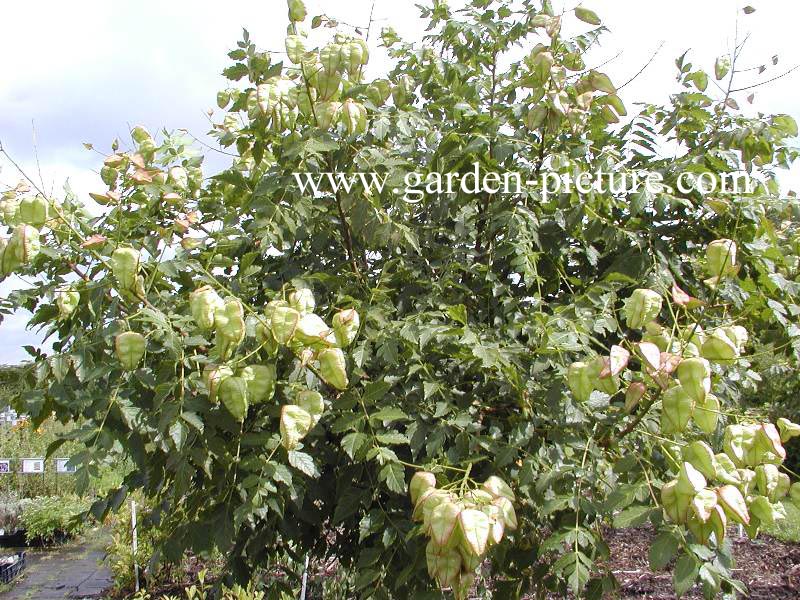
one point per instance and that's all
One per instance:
(662, 550)
(685, 574)
(353, 442)
(632, 516)
(303, 463)
(394, 476)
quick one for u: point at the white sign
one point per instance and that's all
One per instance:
(5, 465)
(33, 465)
(63, 467)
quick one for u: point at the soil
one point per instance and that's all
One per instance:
(769, 568)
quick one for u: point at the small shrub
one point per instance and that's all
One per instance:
(11, 508)
(49, 518)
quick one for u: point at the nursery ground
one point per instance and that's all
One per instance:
(75, 570)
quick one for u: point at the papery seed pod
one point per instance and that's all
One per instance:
(721, 257)
(497, 524)
(213, 376)
(767, 439)
(9, 211)
(690, 480)
(498, 488)
(328, 85)
(676, 410)
(541, 65)
(345, 327)
(355, 55)
(33, 211)
(223, 98)
(283, 321)
(716, 524)
(354, 117)
(693, 334)
(738, 335)
(312, 331)
(297, 11)
(178, 178)
(474, 527)
(602, 379)
(738, 442)
(67, 302)
(311, 402)
(125, 266)
(443, 523)
(129, 347)
(447, 567)
(379, 92)
(204, 303)
(782, 489)
(633, 395)
(701, 457)
(302, 301)
(748, 482)
(695, 377)
(726, 470)
(331, 59)
(140, 134)
(109, 176)
(676, 505)
(265, 338)
(283, 118)
(507, 511)
(580, 381)
(642, 307)
(656, 334)
(721, 67)
(788, 429)
(25, 244)
(233, 394)
(305, 98)
(328, 113)
(733, 503)
(295, 48)
(420, 482)
(706, 413)
(427, 501)
(703, 504)
(332, 368)
(294, 425)
(265, 98)
(8, 258)
(794, 493)
(403, 90)
(536, 117)
(719, 348)
(230, 327)
(765, 511)
(767, 479)
(260, 380)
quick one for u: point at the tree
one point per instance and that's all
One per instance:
(534, 352)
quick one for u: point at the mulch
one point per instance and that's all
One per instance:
(769, 568)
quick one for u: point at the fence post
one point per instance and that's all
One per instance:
(135, 544)
(305, 581)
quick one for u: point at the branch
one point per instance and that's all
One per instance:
(642, 70)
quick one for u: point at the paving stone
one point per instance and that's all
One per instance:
(73, 571)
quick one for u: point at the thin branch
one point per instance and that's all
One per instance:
(642, 70)
(755, 85)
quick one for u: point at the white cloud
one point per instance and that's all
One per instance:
(87, 74)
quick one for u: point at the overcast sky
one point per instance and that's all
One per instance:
(88, 71)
